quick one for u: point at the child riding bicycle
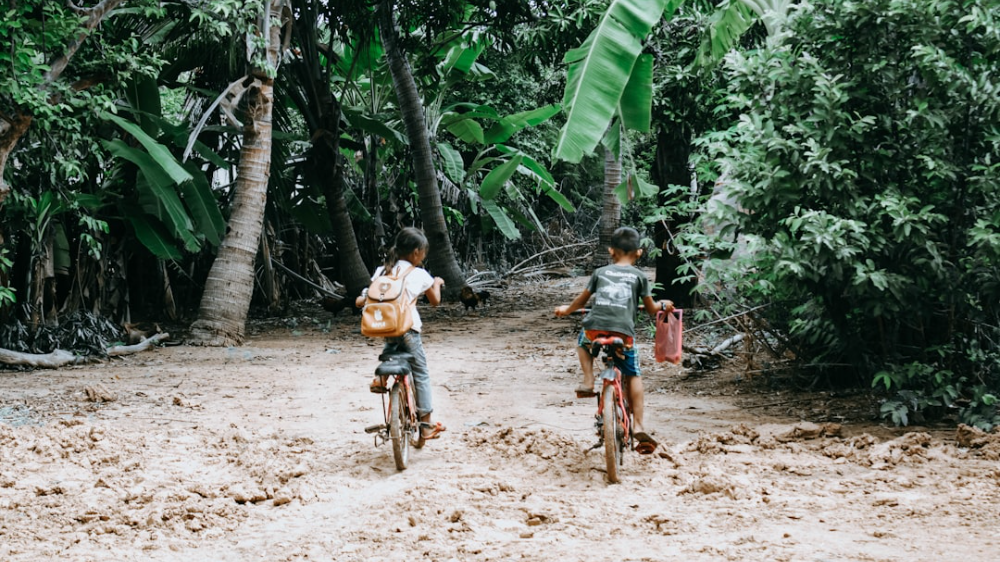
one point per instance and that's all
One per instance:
(405, 257)
(618, 289)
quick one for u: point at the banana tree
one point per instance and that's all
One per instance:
(610, 80)
(608, 75)
(491, 171)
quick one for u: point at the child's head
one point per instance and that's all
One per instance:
(410, 245)
(625, 243)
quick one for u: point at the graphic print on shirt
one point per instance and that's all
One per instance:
(616, 289)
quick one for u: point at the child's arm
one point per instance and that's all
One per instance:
(360, 301)
(652, 307)
(434, 293)
(577, 304)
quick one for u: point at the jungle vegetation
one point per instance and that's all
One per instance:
(820, 175)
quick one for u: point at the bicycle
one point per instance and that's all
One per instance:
(402, 425)
(614, 413)
(614, 419)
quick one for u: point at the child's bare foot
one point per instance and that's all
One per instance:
(586, 390)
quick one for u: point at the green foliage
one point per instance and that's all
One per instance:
(8, 295)
(862, 176)
(599, 71)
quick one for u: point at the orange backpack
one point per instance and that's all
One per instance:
(388, 310)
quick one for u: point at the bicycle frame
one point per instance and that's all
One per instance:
(612, 376)
(411, 403)
(399, 409)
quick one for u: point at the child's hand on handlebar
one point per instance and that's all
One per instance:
(562, 310)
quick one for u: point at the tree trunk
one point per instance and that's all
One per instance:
(225, 302)
(372, 195)
(441, 258)
(611, 214)
(353, 272)
(673, 148)
(322, 113)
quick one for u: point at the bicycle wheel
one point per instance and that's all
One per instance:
(613, 432)
(399, 427)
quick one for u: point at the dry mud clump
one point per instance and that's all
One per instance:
(77, 482)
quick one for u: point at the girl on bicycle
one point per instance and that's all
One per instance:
(409, 250)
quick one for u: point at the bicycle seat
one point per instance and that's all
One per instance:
(609, 340)
(393, 368)
(396, 356)
(613, 345)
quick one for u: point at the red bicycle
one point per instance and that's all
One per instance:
(613, 420)
(614, 413)
(401, 426)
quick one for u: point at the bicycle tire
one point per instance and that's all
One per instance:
(399, 427)
(611, 433)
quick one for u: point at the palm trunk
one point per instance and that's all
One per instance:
(322, 113)
(225, 302)
(353, 273)
(441, 259)
(611, 214)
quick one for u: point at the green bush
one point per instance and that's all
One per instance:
(863, 174)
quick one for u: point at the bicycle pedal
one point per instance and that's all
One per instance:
(375, 428)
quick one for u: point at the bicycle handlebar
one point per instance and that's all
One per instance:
(640, 308)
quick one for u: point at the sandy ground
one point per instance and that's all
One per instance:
(259, 453)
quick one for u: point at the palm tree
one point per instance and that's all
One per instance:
(229, 287)
(611, 213)
(441, 260)
(321, 111)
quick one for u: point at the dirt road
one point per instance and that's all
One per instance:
(259, 453)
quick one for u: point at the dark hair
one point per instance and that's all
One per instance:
(408, 240)
(625, 239)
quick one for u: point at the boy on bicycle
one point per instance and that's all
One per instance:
(618, 289)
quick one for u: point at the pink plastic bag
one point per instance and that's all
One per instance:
(669, 333)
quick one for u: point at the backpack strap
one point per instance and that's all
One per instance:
(403, 274)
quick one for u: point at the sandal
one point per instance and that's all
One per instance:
(584, 392)
(377, 386)
(437, 428)
(645, 444)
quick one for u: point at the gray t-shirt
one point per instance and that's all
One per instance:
(617, 290)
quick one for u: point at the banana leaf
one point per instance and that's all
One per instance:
(503, 222)
(497, 177)
(726, 27)
(636, 105)
(467, 130)
(157, 151)
(361, 121)
(454, 166)
(153, 236)
(157, 192)
(201, 201)
(600, 69)
(546, 183)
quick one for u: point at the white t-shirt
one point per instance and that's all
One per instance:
(417, 283)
